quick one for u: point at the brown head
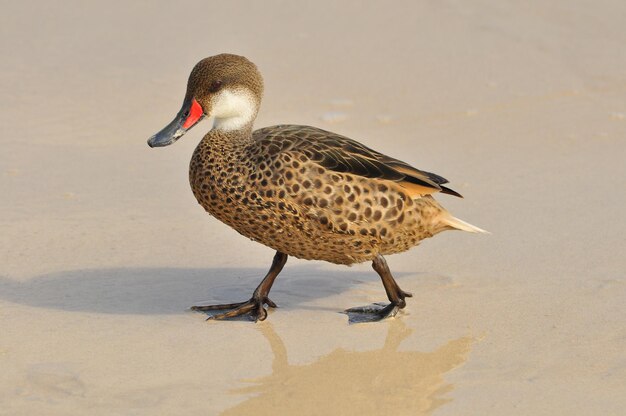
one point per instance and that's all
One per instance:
(226, 87)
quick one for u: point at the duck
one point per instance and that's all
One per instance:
(300, 190)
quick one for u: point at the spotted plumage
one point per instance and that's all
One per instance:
(300, 190)
(311, 194)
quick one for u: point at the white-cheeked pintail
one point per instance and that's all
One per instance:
(300, 190)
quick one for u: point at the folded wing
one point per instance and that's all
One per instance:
(343, 155)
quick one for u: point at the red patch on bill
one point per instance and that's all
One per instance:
(195, 114)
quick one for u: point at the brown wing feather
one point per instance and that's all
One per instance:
(341, 154)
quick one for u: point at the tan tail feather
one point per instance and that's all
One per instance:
(462, 225)
(415, 191)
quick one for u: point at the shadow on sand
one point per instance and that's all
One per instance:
(174, 290)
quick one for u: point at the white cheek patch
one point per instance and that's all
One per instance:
(233, 109)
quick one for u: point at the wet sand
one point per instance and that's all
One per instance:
(103, 247)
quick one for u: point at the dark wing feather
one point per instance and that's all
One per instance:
(341, 154)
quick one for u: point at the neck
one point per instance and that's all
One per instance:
(223, 140)
(232, 124)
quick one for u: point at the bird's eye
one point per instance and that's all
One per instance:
(215, 86)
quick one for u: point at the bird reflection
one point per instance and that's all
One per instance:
(356, 382)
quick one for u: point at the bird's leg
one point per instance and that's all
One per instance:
(253, 307)
(394, 294)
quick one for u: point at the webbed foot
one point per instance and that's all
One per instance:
(371, 313)
(253, 308)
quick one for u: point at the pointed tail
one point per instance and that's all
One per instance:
(458, 224)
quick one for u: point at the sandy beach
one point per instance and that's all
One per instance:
(103, 247)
